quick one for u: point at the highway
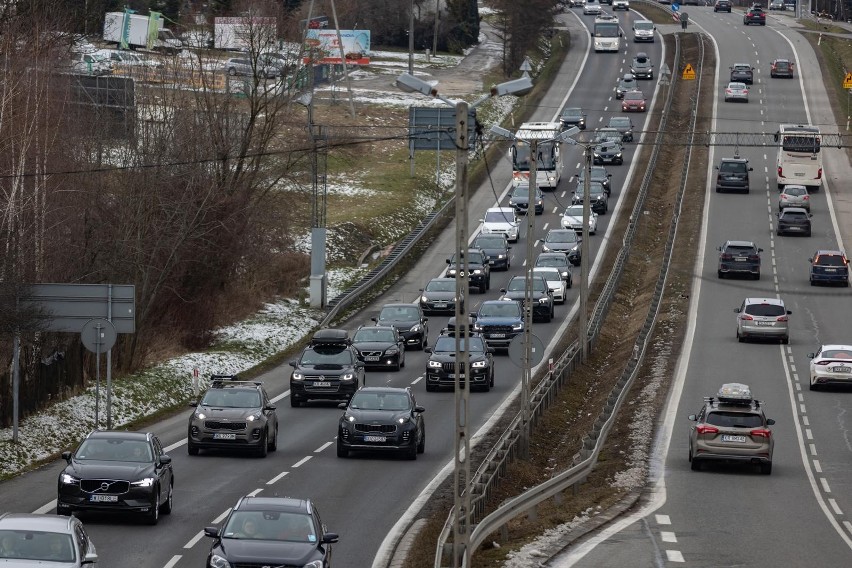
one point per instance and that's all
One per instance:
(363, 497)
(734, 516)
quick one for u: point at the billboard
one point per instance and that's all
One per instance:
(242, 33)
(326, 48)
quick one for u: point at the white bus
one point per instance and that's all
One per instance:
(606, 33)
(799, 159)
(548, 165)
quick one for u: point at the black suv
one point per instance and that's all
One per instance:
(379, 346)
(117, 472)
(441, 366)
(327, 369)
(722, 6)
(608, 153)
(733, 175)
(793, 220)
(542, 296)
(755, 15)
(519, 199)
(233, 414)
(599, 174)
(739, 257)
(271, 531)
(382, 419)
(497, 248)
(409, 321)
(642, 68)
(742, 73)
(479, 265)
(597, 197)
(499, 322)
(573, 117)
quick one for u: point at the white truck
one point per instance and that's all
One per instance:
(133, 30)
(245, 33)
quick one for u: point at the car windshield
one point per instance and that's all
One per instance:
(270, 525)
(373, 334)
(644, 25)
(518, 284)
(634, 96)
(499, 217)
(393, 401)
(765, 310)
(440, 286)
(734, 419)
(794, 216)
(112, 449)
(557, 260)
(500, 310)
(36, 546)
(595, 189)
(232, 398)
(523, 191)
(574, 211)
(618, 122)
(742, 67)
(836, 354)
(326, 356)
(830, 260)
(628, 83)
(405, 313)
(733, 168)
(739, 249)
(561, 237)
(446, 343)
(782, 64)
(796, 191)
(549, 274)
(490, 242)
(736, 86)
(472, 258)
(572, 113)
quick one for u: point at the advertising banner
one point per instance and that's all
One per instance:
(326, 49)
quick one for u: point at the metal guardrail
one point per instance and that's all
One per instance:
(584, 462)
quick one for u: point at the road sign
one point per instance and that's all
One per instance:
(688, 72)
(664, 69)
(847, 82)
(675, 7)
(525, 66)
(69, 306)
(516, 350)
(98, 335)
(434, 128)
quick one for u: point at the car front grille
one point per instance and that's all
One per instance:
(371, 353)
(111, 486)
(497, 329)
(216, 425)
(370, 428)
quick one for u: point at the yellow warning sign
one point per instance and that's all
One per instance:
(847, 82)
(688, 72)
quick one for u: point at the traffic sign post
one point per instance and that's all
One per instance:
(99, 335)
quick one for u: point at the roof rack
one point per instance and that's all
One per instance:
(218, 381)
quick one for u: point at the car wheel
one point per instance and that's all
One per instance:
(295, 402)
(808, 234)
(411, 453)
(757, 276)
(766, 468)
(398, 365)
(491, 380)
(342, 452)
(402, 357)
(166, 508)
(695, 465)
(430, 388)
(264, 445)
(232, 72)
(153, 516)
(812, 282)
(273, 445)
(740, 338)
(421, 447)
(488, 282)
(191, 449)
(814, 386)
(785, 340)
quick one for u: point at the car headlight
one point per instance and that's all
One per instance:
(297, 376)
(451, 272)
(576, 248)
(423, 298)
(392, 351)
(68, 479)
(479, 364)
(618, 155)
(435, 364)
(253, 417)
(314, 564)
(518, 326)
(545, 248)
(146, 482)
(501, 256)
(200, 415)
(217, 561)
(477, 327)
(597, 154)
(544, 300)
(415, 328)
(347, 377)
(564, 274)
(350, 418)
(402, 420)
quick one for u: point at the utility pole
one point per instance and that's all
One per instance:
(526, 377)
(584, 257)
(411, 38)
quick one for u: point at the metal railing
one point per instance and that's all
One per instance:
(494, 465)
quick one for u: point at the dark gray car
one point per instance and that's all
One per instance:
(793, 220)
(626, 83)
(733, 175)
(573, 116)
(742, 73)
(497, 248)
(566, 241)
(739, 257)
(439, 295)
(599, 174)
(624, 125)
(608, 153)
(642, 68)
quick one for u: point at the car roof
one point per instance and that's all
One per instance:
(502, 209)
(770, 301)
(743, 160)
(740, 244)
(737, 84)
(392, 390)
(441, 280)
(118, 435)
(553, 254)
(550, 269)
(742, 65)
(779, 60)
(574, 110)
(827, 252)
(837, 346)
(288, 504)
(794, 210)
(400, 305)
(33, 522)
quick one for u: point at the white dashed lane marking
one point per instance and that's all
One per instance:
(674, 556)
(667, 536)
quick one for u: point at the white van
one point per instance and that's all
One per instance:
(501, 220)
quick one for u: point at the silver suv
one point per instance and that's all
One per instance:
(763, 318)
(731, 427)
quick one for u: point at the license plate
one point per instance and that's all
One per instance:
(375, 439)
(368, 358)
(224, 436)
(497, 335)
(831, 270)
(322, 384)
(740, 259)
(841, 369)
(103, 498)
(800, 174)
(764, 323)
(727, 438)
(440, 305)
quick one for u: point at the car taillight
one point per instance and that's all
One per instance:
(806, 197)
(706, 429)
(780, 172)
(785, 196)
(823, 363)
(753, 257)
(746, 317)
(761, 433)
(726, 256)
(781, 318)
(819, 174)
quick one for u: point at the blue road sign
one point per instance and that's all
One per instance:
(675, 7)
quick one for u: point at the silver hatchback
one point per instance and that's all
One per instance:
(794, 196)
(764, 318)
(45, 540)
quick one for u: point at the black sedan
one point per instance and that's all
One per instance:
(496, 246)
(608, 153)
(382, 419)
(542, 297)
(409, 321)
(271, 531)
(379, 346)
(117, 472)
(566, 241)
(439, 296)
(573, 116)
(441, 366)
(519, 199)
(597, 197)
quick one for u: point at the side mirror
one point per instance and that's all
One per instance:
(719, 248)
(419, 409)
(427, 350)
(269, 407)
(810, 260)
(66, 456)
(342, 406)
(425, 319)
(193, 404)
(760, 250)
(778, 215)
(715, 167)
(811, 355)
(374, 319)
(736, 310)
(502, 290)
(770, 422)
(422, 290)
(692, 417)
(165, 459)
(293, 363)
(449, 261)
(789, 312)
(330, 538)
(751, 169)
(211, 532)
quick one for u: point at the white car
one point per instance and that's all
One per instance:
(128, 58)
(501, 221)
(831, 365)
(592, 7)
(555, 282)
(736, 92)
(620, 5)
(573, 219)
(576, 3)
(643, 30)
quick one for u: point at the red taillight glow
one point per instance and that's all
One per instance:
(706, 429)
(761, 433)
(746, 317)
(780, 172)
(819, 174)
(781, 318)
(806, 197)
(726, 256)
(822, 363)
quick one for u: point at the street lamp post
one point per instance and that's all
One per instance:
(461, 489)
